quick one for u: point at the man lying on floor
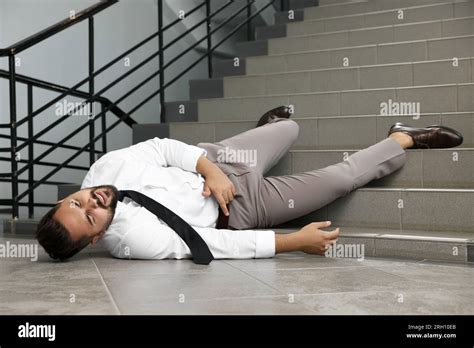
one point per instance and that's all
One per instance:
(164, 199)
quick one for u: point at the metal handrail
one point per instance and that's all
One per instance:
(56, 28)
(28, 80)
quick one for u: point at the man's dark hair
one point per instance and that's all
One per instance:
(56, 239)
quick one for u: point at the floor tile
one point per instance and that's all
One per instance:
(146, 294)
(420, 302)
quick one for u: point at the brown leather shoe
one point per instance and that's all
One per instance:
(279, 112)
(432, 137)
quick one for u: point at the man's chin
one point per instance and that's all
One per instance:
(112, 195)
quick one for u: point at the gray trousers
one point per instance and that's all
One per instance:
(263, 202)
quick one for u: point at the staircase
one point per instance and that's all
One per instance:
(335, 64)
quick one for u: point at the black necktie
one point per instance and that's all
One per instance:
(199, 249)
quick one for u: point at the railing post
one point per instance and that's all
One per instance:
(249, 26)
(31, 197)
(91, 92)
(13, 137)
(104, 126)
(161, 63)
(209, 39)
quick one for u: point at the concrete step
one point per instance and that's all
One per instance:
(66, 190)
(325, 141)
(429, 99)
(399, 208)
(318, 147)
(206, 88)
(297, 4)
(19, 228)
(364, 77)
(292, 15)
(347, 8)
(229, 67)
(447, 10)
(331, 2)
(251, 48)
(443, 168)
(145, 131)
(410, 51)
(441, 11)
(410, 244)
(318, 133)
(180, 111)
(355, 7)
(365, 36)
(418, 245)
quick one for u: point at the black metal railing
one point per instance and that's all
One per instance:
(92, 96)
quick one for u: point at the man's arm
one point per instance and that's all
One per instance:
(217, 183)
(169, 153)
(153, 240)
(310, 239)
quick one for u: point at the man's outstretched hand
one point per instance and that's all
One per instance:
(310, 239)
(217, 183)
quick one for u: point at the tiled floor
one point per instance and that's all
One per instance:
(94, 283)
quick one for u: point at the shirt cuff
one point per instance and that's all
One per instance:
(265, 244)
(191, 156)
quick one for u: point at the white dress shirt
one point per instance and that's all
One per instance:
(165, 170)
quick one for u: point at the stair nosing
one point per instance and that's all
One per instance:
(361, 46)
(457, 113)
(460, 149)
(371, 28)
(414, 189)
(340, 91)
(350, 67)
(343, 3)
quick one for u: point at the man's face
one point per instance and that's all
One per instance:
(88, 212)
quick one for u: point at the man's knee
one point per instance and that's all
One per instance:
(292, 129)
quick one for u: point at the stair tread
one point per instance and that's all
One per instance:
(439, 236)
(455, 113)
(370, 28)
(420, 62)
(362, 46)
(343, 91)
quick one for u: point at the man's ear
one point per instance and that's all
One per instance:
(96, 238)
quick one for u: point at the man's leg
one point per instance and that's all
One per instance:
(290, 196)
(268, 144)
